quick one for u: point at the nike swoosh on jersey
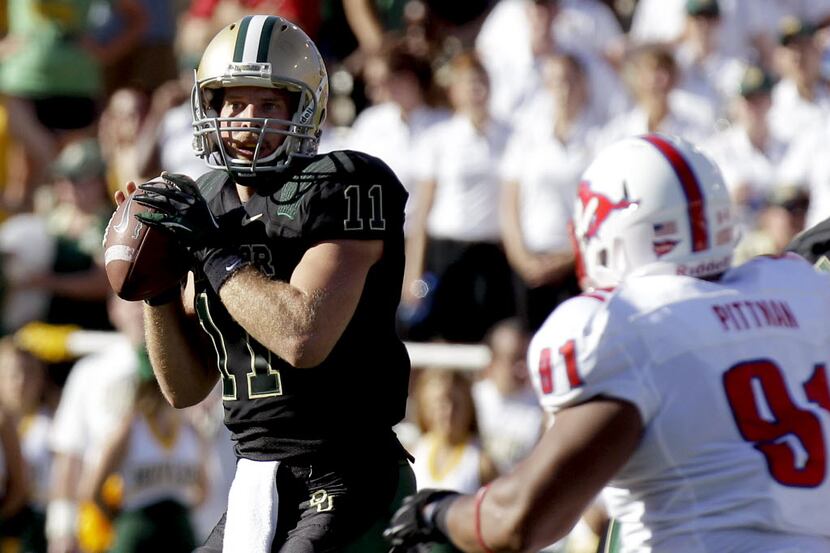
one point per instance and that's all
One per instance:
(250, 219)
(232, 266)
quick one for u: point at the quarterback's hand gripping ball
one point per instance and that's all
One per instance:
(180, 210)
(141, 262)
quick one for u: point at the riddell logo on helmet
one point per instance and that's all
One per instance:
(308, 112)
(602, 206)
(705, 268)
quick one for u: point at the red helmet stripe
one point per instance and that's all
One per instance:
(695, 202)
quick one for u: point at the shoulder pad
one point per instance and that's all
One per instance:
(571, 323)
(357, 197)
(349, 162)
(585, 349)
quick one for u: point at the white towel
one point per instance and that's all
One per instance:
(251, 521)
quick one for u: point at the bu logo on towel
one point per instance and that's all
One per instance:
(322, 500)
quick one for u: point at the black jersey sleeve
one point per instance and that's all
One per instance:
(361, 200)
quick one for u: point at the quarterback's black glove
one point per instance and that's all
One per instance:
(420, 520)
(182, 211)
(814, 245)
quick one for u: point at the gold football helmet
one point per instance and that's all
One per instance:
(264, 51)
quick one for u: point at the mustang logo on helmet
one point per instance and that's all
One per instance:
(602, 206)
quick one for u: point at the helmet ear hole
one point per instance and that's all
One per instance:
(619, 263)
(602, 257)
(213, 101)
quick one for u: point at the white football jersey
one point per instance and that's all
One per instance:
(731, 382)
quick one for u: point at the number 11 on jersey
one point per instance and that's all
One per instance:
(568, 353)
(263, 380)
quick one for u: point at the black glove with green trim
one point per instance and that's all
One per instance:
(813, 244)
(421, 519)
(181, 210)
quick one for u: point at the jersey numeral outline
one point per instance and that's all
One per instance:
(354, 220)
(210, 328)
(568, 353)
(788, 420)
(263, 380)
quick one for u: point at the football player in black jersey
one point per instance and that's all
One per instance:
(297, 263)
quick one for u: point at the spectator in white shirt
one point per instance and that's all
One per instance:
(165, 139)
(800, 99)
(806, 165)
(509, 418)
(540, 173)
(779, 221)
(455, 235)
(95, 397)
(705, 71)
(766, 16)
(663, 22)
(519, 33)
(590, 24)
(651, 74)
(747, 152)
(399, 83)
(578, 24)
(448, 453)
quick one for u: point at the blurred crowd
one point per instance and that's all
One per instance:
(488, 111)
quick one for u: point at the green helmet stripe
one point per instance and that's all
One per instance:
(265, 39)
(239, 48)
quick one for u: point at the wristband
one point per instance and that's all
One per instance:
(438, 513)
(220, 265)
(61, 518)
(479, 500)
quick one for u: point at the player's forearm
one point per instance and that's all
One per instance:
(461, 523)
(279, 316)
(539, 501)
(185, 375)
(507, 518)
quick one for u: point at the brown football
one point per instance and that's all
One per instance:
(141, 261)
